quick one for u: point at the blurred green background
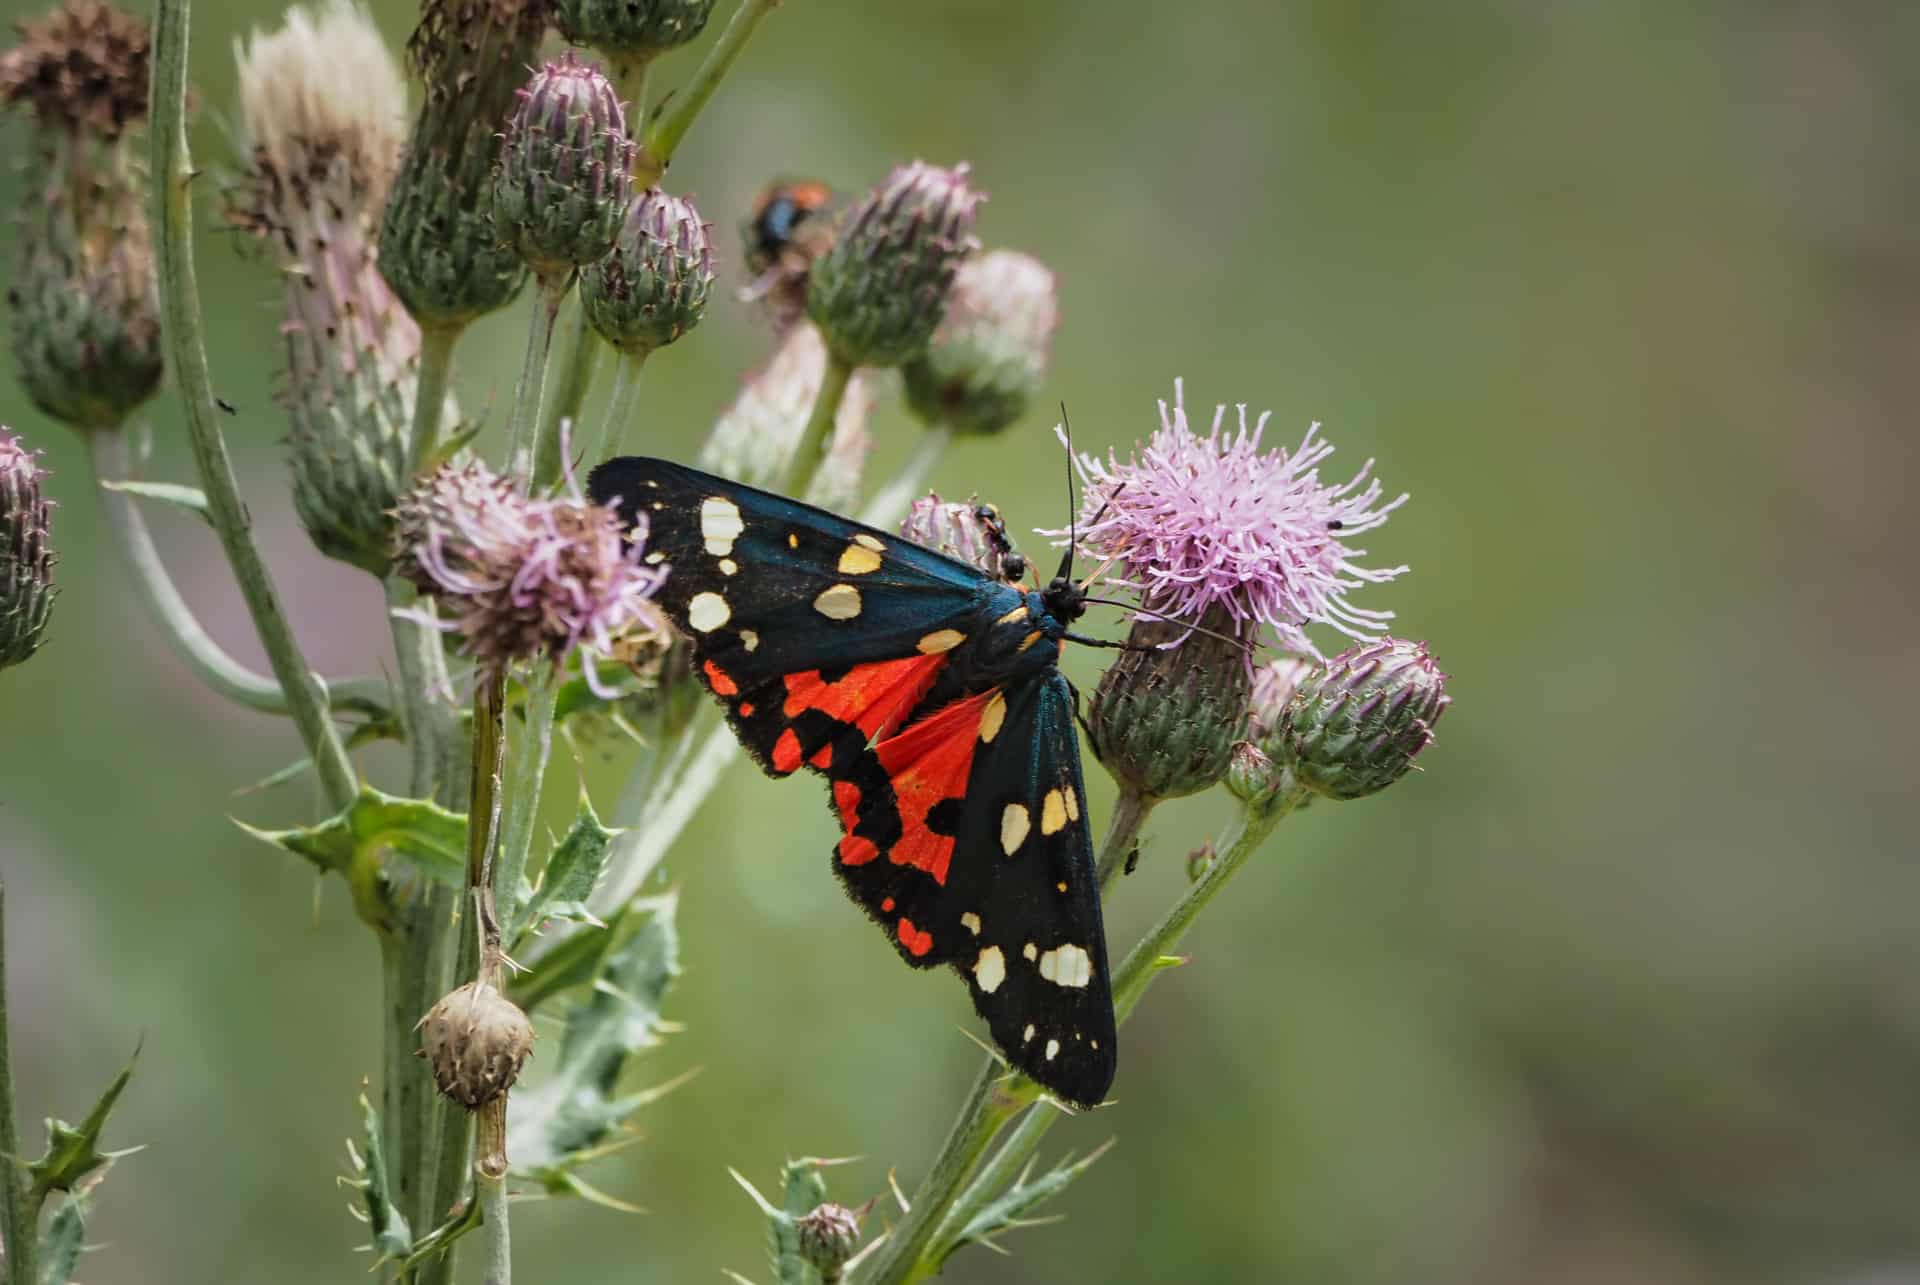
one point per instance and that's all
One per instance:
(1620, 989)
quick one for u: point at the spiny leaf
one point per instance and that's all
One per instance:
(426, 838)
(392, 1237)
(73, 1151)
(1008, 1211)
(64, 1239)
(570, 875)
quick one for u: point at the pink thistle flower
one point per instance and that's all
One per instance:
(527, 578)
(1198, 522)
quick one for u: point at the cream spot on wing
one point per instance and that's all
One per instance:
(1095, 1043)
(720, 524)
(870, 542)
(990, 970)
(707, 612)
(1067, 966)
(1017, 614)
(858, 560)
(1053, 813)
(992, 716)
(655, 558)
(1073, 802)
(749, 639)
(838, 602)
(729, 567)
(1030, 951)
(1053, 1047)
(939, 640)
(971, 922)
(1014, 824)
(1027, 1037)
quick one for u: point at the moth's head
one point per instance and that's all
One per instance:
(1066, 600)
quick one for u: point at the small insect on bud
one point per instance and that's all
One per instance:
(973, 532)
(476, 1040)
(565, 176)
(26, 553)
(1354, 728)
(755, 437)
(632, 31)
(989, 356)
(654, 286)
(829, 1236)
(879, 293)
(1164, 720)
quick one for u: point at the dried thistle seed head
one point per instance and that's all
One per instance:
(755, 437)
(829, 1236)
(1355, 727)
(475, 1040)
(881, 290)
(1164, 720)
(565, 176)
(631, 30)
(438, 247)
(26, 552)
(83, 68)
(654, 286)
(988, 357)
(526, 579)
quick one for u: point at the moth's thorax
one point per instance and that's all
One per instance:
(1016, 635)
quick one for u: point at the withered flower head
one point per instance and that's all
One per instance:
(83, 67)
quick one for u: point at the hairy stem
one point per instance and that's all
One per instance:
(533, 378)
(187, 361)
(620, 407)
(891, 502)
(210, 663)
(576, 356)
(812, 448)
(523, 791)
(663, 136)
(430, 391)
(17, 1221)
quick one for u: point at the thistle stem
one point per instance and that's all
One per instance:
(670, 805)
(576, 356)
(812, 447)
(493, 1206)
(630, 82)
(523, 791)
(533, 379)
(17, 1221)
(892, 501)
(620, 407)
(915, 1248)
(430, 391)
(663, 136)
(1130, 811)
(187, 360)
(222, 674)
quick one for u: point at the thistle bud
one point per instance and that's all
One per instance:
(26, 553)
(85, 324)
(438, 248)
(988, 357)
(1252, 777)
(1164, 720)
(754, 439)
(1354, 728)
(879, 293)
(829, 1236)
(1200, 861)
(632, 31)
(972, 532)
(654, 286)
(476, 1040)
(1273, 686)
(565, 176)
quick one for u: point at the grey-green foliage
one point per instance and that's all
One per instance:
(383, 845)
(64, 1239)
(1009, 1210)
(73, 1151)
(568, 879)
(392, 1238)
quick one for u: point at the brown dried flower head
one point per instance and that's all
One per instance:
(83, 67)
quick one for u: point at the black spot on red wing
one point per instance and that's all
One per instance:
(944, 816)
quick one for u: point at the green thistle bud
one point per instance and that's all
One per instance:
(85, 329)
(26, 553)
(829, 1236)
(565, 177)
(1252, 777)
(438, 248)
(1164, 720)
(989, 356)
(880, 292)
(632, 31)
(1354, 727)
(476, 1040)
(655, 285)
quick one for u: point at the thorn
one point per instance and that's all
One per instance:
(752, 1191)
(898, 1195)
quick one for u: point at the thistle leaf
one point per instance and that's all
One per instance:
(392, 1237)
(73, 1151)
(425, 840)
(1008, 1211)
(64, 1239)
(569, 878)
(190, 498)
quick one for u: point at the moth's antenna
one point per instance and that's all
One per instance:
(1073, 502)
(1188, 626)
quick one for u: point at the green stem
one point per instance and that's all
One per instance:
(998, 1174)
(812, 448)
(17, 1223)
(913, 1250)
(187, 361)
(523, 791)
(170, 613)
(499, 1234)
(576, 354)
(630, 81)
(1130, 812)
(533, 379)
(663, 136)
(670, 805)
(620, 407)
(892, 501)
(430, 391)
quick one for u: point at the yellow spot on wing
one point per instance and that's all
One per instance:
(1073, 802)
(1019, 613)
(1014, 824)
(720, 524)
(1053, 813)
(990, 970)
(838, 602)
(1030, 640)
(971, 922)
(992, 716)
(749, 639)
(858, 560)
(870, 542)
(940, 640)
